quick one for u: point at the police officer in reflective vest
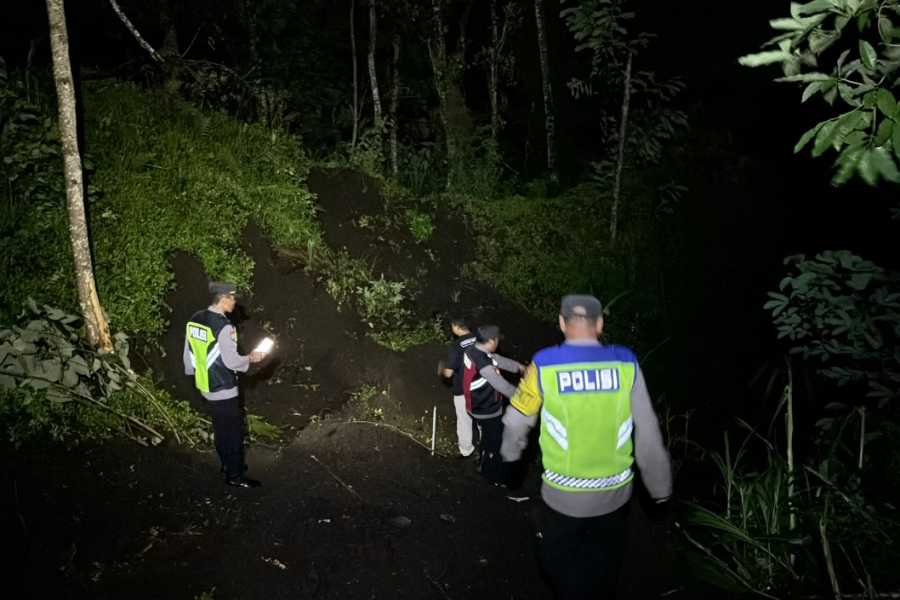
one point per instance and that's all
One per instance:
(596, 420)
(211, 356)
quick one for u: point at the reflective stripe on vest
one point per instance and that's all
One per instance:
(210, 358)
(601, 483)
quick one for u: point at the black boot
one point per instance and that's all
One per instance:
(243, 482)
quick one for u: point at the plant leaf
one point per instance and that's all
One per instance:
(804, 77)
(867, 54)
(847, 163)
(895, 142)
(885, 29)
(886, 103)
(806, 137)
(885, 164)
(883, 135)
(810, 91)
(867, 167)
(816, 6)
(764, 58)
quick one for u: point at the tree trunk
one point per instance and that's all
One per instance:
(169, 46)
(549, 110)
(493, 84)
(94, 318)
(463, 46)
(249, 11)
(373, 76)
(620, 159)
(438, 56)
(355, 76)
(395, 104)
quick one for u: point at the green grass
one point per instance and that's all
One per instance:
(174, 177)
(167, 176)
(534, 249)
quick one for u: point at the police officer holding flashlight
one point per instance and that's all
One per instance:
(211, 357)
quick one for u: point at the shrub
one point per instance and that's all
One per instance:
(53, 384)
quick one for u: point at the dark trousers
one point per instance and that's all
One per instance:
(489, 445)
(228, 431)
(581, 558)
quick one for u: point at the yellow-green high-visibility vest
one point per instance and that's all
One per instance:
(586, 422)
(202, 333)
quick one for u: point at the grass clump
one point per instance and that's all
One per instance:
(374, 405)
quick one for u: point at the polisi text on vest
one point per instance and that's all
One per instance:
(587, 380)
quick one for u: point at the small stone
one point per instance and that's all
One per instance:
(401, 522)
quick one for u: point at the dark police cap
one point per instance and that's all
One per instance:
(487, 332)
(217, 288)
(583, 306)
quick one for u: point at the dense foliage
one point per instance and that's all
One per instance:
(845, 52)
(535, 249)
(842, 314)
(818, 512)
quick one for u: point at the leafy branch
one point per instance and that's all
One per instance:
(862, 74)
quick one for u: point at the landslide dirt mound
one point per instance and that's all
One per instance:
(347, 510)
(348, 199)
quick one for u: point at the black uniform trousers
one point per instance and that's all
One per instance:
(228, 431)
(489, 445)
(581, 557)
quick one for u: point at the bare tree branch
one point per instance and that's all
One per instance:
(137, 34)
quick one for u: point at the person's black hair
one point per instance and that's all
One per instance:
(459, 322)
(484, 333)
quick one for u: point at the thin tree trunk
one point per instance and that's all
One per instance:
(789, 427)
(463, 46)
(826, 552)
(134, 32)
(549, 109)
(355, 76)
(623, 125)
(373, 76)
(94, 319)
(789, 435)
(395, 104)
(252, 34)
(438, 57)
(492, 80)
(170, 32)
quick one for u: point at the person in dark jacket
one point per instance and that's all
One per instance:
(453, 370)
(211, 357)
(484, 390)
